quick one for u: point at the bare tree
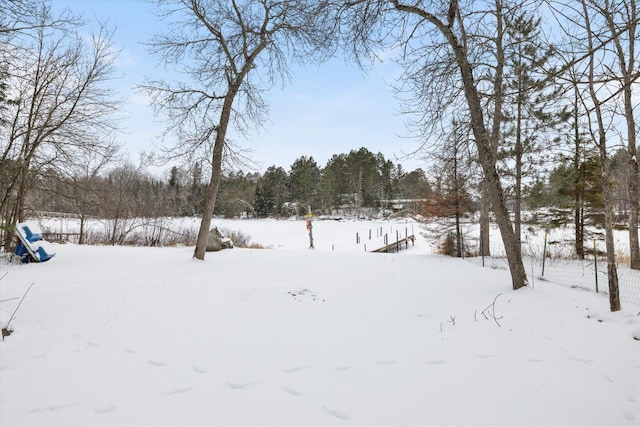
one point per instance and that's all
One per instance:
(232, 51)
(599, 136)
(624, 14)
(441, 32)
(590, 51)
(60, 100)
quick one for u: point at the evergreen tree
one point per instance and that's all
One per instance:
(531, 109)
(271, 192)
(334, 188)
(304, 179)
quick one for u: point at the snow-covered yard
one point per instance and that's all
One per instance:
(292, 336)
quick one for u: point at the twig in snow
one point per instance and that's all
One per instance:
(6, 331)
(490, 311)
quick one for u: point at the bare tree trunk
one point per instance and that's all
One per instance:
(634, 175)
(488, 163)
(627, 62)
(517, 207)
(578, 183)
(484, 221)
(483, 141)
(216, 173)
(82, 223)
(601, 141)
(218, 152)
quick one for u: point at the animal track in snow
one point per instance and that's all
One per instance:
(295, 369)
(335, 413)
(178, 391)
(483, 356)
(104, 410)
(585, 361)
(239, 386)
(291, 391)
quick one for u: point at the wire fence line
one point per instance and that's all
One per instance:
(588, 274)
(557, 263)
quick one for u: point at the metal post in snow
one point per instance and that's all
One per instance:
(544, 252)
(595, 262)
(482, 247)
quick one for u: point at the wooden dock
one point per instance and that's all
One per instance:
(397, 245)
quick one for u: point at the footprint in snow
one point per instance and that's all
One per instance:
(585, 361)
(291, 391)
(239, 386)
(435, 362)
(105, 410)
(334, 413)
(386, 362)
(155, 363)
(130, 351)
(178, 391)
(483, 356)
(296, 369)
(198, 370)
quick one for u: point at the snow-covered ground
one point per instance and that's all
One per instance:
(292, 336)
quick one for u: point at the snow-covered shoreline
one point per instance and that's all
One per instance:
(114, 335)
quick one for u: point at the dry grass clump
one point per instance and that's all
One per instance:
(240, 239)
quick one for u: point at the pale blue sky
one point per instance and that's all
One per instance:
(325, 110)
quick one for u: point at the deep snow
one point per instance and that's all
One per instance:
(287, 335)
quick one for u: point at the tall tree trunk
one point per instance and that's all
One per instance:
(82, 223)
(627, 61)
(578, 186)
(488, 163)
(517, 206)
(634, 175)
(484, 220)
(483, 139)
(612, 271)
(216, 173)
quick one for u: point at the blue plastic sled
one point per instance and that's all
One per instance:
(32, 246)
